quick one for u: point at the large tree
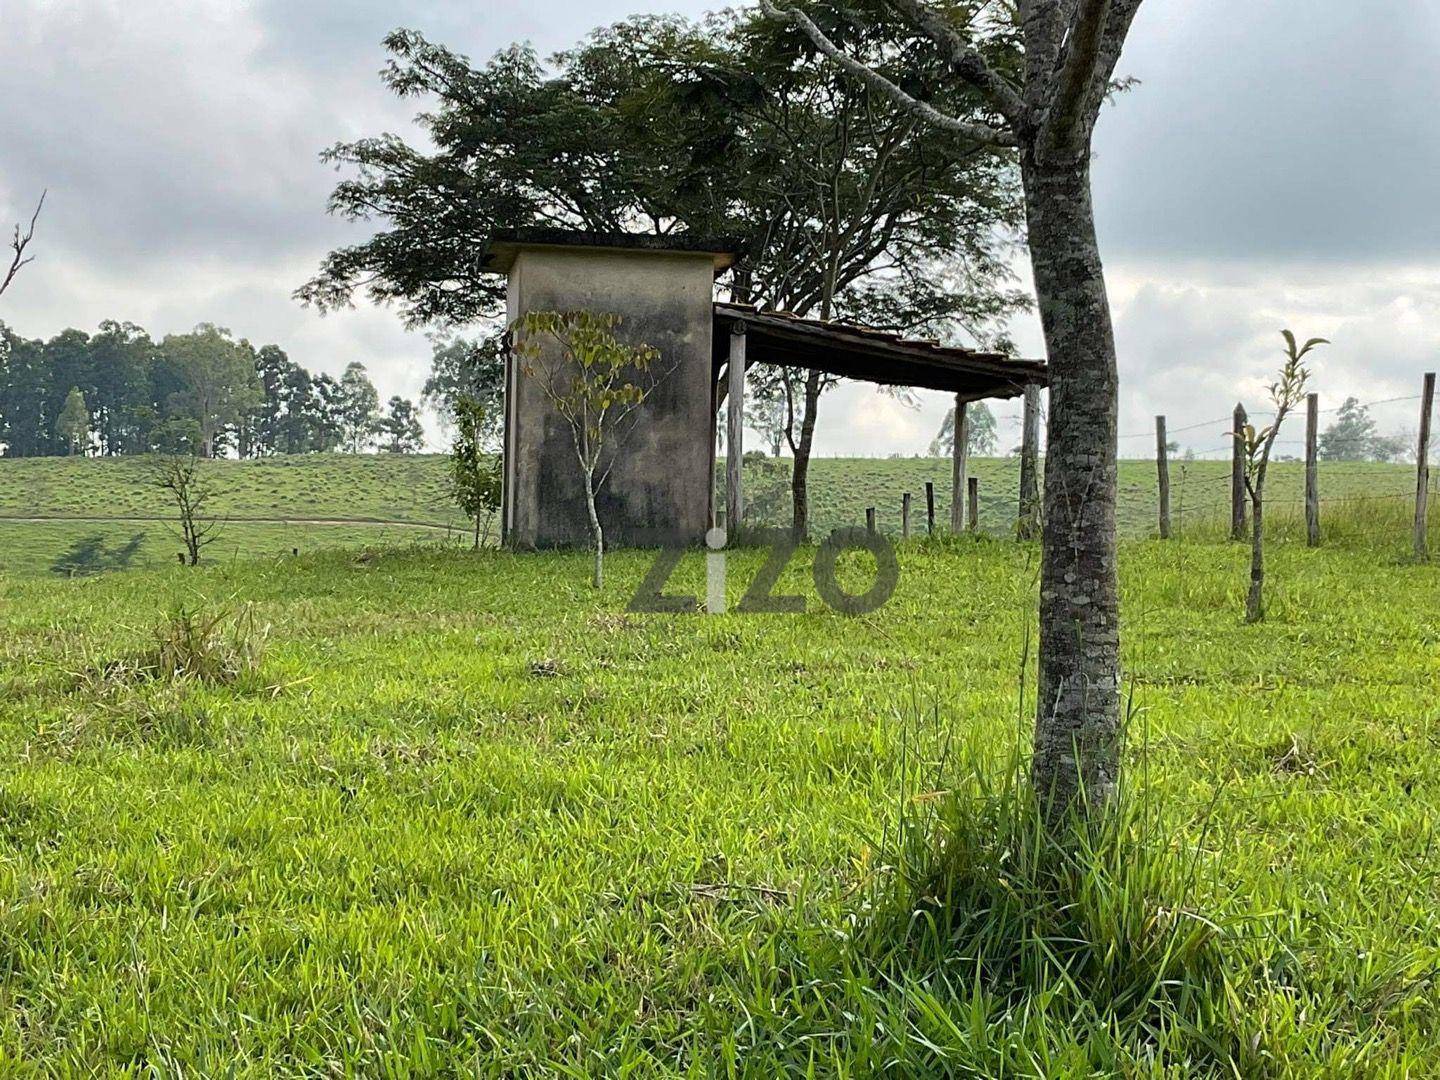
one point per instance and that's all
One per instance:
(120, 357)
(359, 408)
(219, 385)
(1042, 69)
(469, 376)
(659, 125)
(399, 429)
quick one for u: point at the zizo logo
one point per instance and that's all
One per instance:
(761, 598)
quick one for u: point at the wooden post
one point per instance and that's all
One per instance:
(1162, 463)
(974, 500)
(1028, 527)
(870, 520)
(1312, 470)
(1238, 507)
(1422, 465)
(960, 460)
(905, 517)
(930, 506)
(735, 429)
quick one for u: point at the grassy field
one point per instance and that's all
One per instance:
(277, 505)
(469, 818)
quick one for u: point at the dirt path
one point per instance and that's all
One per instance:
(233, 520)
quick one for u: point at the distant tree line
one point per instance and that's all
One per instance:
(118, 391)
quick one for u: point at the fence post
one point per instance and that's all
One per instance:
(1162, 463)
(959, 462)
(1238, 511)
(930, 505)
(905, 517)
(974, 497)
(870, 520)
(1422, 465)
(1312, 470)
(1029, 525)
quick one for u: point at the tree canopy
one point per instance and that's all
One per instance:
(661, 125)
(118, 391)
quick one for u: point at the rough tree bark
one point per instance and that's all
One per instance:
(1070, 50)
(1077, 725)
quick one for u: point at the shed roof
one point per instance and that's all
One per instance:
(506, 244)
(870, 355)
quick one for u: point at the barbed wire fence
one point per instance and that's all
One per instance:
(1182, 500)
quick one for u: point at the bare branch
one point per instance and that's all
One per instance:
(981, 133)
(20, 243)
(966, 60)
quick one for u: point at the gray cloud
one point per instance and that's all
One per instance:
(1275, 130)
(1274, 168)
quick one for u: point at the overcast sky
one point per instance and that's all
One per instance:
(1277, 166)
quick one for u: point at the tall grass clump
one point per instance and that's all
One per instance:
(988, 943)
(216, 649)
(1103, 915)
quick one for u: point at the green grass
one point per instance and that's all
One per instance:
(320, 501)
(470, 818)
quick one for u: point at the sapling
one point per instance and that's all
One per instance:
(1286, 393)
(475, 478)
(597, 384)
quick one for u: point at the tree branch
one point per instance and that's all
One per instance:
(20, 243)
(966, 60)
(1078, 66)
(981, 133)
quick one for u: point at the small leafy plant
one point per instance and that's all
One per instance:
(1286, 392)
(596, 384)
(475, 476)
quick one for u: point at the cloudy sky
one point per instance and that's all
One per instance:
(1277, 166)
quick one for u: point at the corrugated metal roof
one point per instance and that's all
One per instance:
(874, 355)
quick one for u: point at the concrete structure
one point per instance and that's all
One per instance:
(660, 489)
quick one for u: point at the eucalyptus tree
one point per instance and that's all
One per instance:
(849, 205)
(1041, 71)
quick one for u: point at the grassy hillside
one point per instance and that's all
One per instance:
(468, 817)
(310, 502)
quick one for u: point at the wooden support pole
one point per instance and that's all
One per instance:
(1422, 465)
(930, 506)
(960, 460)
(905, 516)
(1162, 463)
(735, 430)
(870, 520)
(1028, 527)
(974, 502)
(1239, 514)
(1312, 470)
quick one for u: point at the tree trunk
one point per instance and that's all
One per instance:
(1255, 602)
(477, 533)
(598, 580)
(799, 481)
(1077, 727)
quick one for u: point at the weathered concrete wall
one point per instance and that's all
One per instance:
(659, 490)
